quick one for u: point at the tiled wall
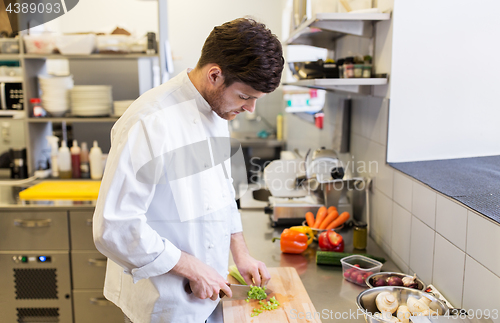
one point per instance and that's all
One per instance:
(424, 232)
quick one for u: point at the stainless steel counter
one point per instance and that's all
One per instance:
(331, 295)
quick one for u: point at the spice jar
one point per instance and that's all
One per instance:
(367, 71)
(358, 70)
(359, 236)
(36, 107)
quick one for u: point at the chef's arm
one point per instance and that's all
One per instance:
(253, 271)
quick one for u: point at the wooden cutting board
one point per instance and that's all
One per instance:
(288, 289)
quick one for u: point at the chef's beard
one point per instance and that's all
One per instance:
(217, 102)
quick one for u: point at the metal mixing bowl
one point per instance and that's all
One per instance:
(372, 278)
(366, 301)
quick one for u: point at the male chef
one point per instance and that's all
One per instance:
(166, 215)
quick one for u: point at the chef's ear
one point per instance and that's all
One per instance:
(215, 77)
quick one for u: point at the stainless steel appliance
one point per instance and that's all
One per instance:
(35, 264)
(11, 96)
(301, 185)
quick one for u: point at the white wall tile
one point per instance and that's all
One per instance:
(483, 241)
(381, 220)
(481, 288)
(401, 230)
(421, 249)
(448, 273)
(403, 267)
(451, 221)
(424, 204)
(402, 190)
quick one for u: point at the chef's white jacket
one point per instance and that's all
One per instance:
(143, 219)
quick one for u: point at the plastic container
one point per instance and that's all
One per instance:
(367, 267)
(113, 43)
(348, 70)
(36, 107)
(9, 45)
(54, 159)
(83, 44)
(64, 161)
(95, 158)
(39, 44)
(84, 161)
(75, 160)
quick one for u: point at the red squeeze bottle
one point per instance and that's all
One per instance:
(75, 160)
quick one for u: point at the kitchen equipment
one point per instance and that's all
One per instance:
(289, 292)
(367, 266)
(55, 93)
(314, 70)
(372, 278)
(119, 107)
(77, 44)
(298, 186)
(91, 100)
(366, 301)
(62, 190)
(11, 95)
(9, 45)
(40, 43)
(18, 165)
(240, 292)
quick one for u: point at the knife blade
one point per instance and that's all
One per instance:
(241, 291)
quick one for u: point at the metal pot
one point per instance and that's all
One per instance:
(370, 279)
(366, 301)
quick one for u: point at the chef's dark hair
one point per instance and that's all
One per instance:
(247, 52)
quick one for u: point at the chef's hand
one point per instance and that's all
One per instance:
(253, 271)
(205, 282)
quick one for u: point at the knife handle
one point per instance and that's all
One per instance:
(188, 290)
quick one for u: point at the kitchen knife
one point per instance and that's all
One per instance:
(239, 291)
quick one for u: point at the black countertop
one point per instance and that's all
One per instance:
(474, 182)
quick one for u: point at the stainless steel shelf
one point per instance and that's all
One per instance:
(11, 79)
(353, 85)
(91, 56)
(10, 57)
(323, 28)
(73, 119)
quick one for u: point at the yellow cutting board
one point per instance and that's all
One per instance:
(62, 190)
(286, 286)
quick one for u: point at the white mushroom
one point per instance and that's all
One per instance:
(386, 316)
(417, 306)
(425, 300)
(386, 302)
(403, 314)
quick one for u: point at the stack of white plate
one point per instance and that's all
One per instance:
(55, 93)
(119, 107)
(91, 100)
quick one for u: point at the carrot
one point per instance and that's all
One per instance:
(339, 221)
(331, 209)
(310, 219)
(320, 216)
(329, 218)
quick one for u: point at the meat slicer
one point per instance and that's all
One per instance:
(303, 185)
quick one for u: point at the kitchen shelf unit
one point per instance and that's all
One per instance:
(32, 65)
(323, 30)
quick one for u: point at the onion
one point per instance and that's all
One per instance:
(395, 281)
(379, 282)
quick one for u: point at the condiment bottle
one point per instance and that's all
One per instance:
(75, 159)
(359, 236)
(95, 158)
(64, 161)
(84, 161)
(54, 147)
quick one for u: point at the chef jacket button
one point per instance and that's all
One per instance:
(195, 121)
(210, 246)
(208, 207)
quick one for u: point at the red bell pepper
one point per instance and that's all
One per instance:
(331, 241)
